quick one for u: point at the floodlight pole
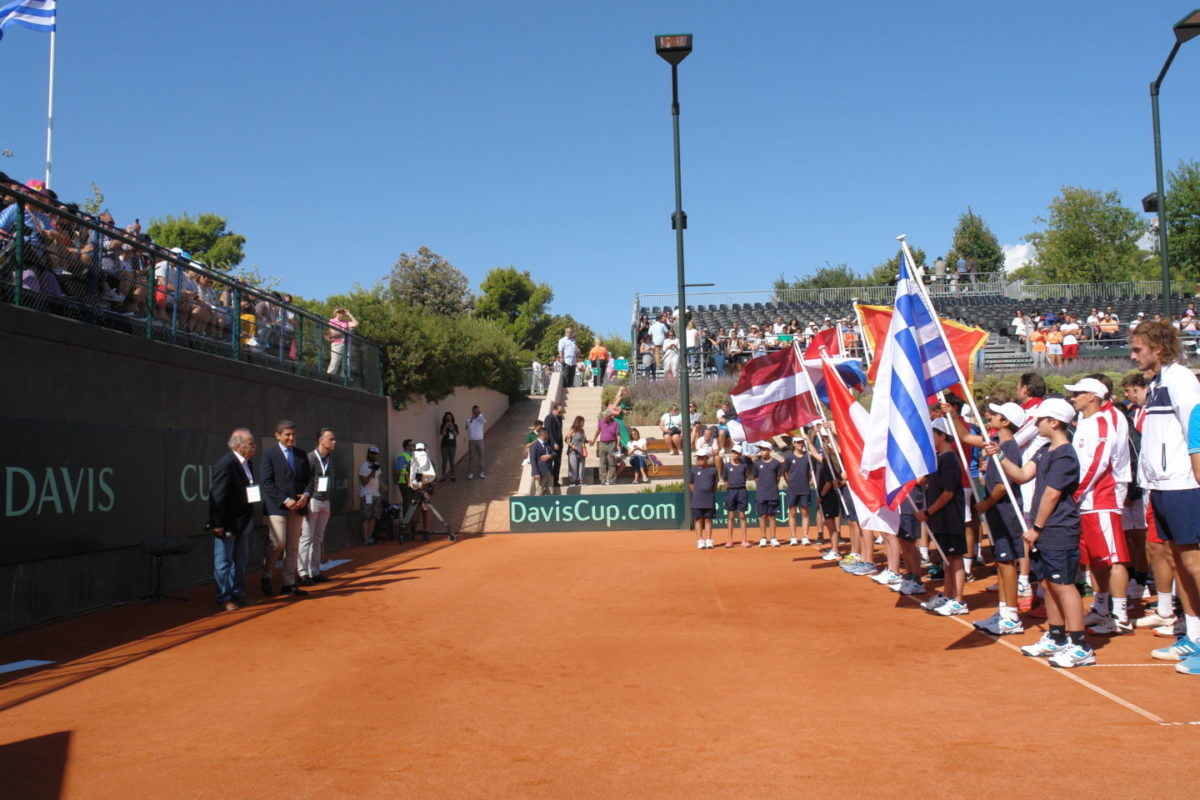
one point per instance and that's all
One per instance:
(1158, 184)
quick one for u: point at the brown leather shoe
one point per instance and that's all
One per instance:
(229, 605)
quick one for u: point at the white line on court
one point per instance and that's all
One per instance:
(1134, 665)
(1067, 673)
(28, 663)
(337, 562)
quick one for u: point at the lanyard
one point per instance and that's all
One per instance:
(246, 468)
(324, 463)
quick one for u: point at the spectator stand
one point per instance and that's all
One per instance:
(55, 259)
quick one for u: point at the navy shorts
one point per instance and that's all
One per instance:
(1006, 547)
(737, 500)
(768, 507)
(797, 499)
(952, 543)
(1175, 515)
(702, 513)
(1056, 566)
(910, 529)
(831, 507)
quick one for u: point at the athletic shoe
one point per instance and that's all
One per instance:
(1172, 631)
(699, 544)
(911, 587)
(728, 545)
(863, 568)
(987, 624)
(1134, 592)
(935, 602)
(970, 578)
(794, 542)
(1043, 647)
(878, 540)
(747, 544)
(1024, 590)
(805, 541)
(482, 475)
(831, 555)
(708, 545)
(1094, 617)
(1000, 626)
(951, 609)
(1024, 601)
(1112, 626)
(1038, 609)
(470, 476)
(774, 542)
(1075, 655)
(885, 577)
(1182, 649)
(995, 587)
(762, 542)
(1152, 619)
(1189, 666)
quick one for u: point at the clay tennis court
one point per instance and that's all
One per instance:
(576, 666)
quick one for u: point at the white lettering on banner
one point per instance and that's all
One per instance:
(202, 481)
(584, 510)
(59, 491)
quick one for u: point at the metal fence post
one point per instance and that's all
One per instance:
(19, 249)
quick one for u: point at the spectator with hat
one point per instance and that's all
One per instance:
(370, 494)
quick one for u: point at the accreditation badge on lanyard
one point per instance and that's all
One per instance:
(323, 480)
(253, 491)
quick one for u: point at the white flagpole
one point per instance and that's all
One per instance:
(50, 111)
(962, 379)
(830, 443)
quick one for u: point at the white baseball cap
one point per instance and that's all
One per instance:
(1010, 411)
(420, 446)
(1056, 408)
(702, 452)
(1089, 385)
(942, 424)
(764, 445)
(737, 448)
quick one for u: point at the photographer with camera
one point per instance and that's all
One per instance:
(421, 477)
(370, 494)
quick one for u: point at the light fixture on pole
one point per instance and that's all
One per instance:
(674, 48)
(1186, 29)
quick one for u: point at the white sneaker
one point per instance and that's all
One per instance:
(1151, 619)
(1094, 617)
(708, 545)
(794, 541)
(911, 587)
(886, 578)
(831, 555)
(953, 608)
(1073, 655)
(878, 540)
(1111, 626)
(482, 475)
(989, 623)
(762, 542)
(1043, 647)
(805, 541)
(699, 544)
(935, 602)
(774, 542)
(470, 475)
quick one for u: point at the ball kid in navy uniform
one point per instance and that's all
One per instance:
(945, 514)
(766, 487)
(702, 481)
(798, 466)
(737, 499)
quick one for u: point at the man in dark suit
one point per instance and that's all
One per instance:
(285, 487)
(553, 425)
(230, 517)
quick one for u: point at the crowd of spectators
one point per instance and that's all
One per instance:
(1054, 338)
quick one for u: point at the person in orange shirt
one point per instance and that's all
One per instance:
(599, 358)
(1054, 345)
(1037, 346)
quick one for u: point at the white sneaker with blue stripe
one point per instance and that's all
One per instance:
(1044, 647)
(1182, 649)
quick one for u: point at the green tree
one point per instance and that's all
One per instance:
(426, 281)
(205, 237)
(974, 239)
(1183, 220)
(885, 274)
(618, 345)
(94, 205)
(1090, 237)
(517, 303)
(826, 277)
(548, 346)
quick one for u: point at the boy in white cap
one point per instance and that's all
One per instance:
(736, 497)
(766, 488)
(1053, 535)
(1005, 522)
(1102, 545)
(944, 513)
(702, 481)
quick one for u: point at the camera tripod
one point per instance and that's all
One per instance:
(423, 502)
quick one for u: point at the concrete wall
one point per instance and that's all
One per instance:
(420, 420)
(81, 403)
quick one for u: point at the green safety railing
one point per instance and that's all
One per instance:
(58, 260)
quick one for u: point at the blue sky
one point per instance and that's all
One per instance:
(538, 134)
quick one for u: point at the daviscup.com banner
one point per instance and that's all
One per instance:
(618, 512)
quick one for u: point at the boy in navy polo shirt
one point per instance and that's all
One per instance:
(766, 487)
(703, 483)
(798, 466)
(944, 513)
(1005, 523)
(737, 500)
(1053, 536)
(830, 499)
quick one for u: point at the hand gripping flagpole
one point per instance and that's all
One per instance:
(962, 379)
(830, 443)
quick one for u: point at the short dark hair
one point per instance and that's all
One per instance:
(322, 432)
(1135, 378)
(1035, 385)
(404, 445)
(283, 425)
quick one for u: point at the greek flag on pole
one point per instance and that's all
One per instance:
(914, 364)
(35, 14)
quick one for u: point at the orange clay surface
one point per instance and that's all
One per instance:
(580, 665)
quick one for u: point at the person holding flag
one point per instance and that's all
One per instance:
(1005, 523)
(798, 466)
(945, 517)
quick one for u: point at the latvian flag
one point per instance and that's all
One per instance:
(773, 395)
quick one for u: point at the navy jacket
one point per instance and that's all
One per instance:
(280, 483)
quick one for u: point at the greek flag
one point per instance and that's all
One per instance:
(35, 14)
(914, 364)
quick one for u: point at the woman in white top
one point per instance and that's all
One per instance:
(692, 336)
(1020, 326)
(671, 425)
(637, 456)
(670, 355)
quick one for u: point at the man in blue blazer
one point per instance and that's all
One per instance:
(230, 516)
(286, 491)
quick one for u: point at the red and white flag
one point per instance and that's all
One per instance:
(850, 420)
(827, 338)
(773, 395)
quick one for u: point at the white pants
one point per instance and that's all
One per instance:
(336, 350)
(284, 540)
(312, 539)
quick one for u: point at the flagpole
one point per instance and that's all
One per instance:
(828, 439)
(862, 325)
(50, 112)
(962, 379)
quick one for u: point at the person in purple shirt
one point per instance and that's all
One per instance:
(608, 432)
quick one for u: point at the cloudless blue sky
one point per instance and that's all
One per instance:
(538, 134)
